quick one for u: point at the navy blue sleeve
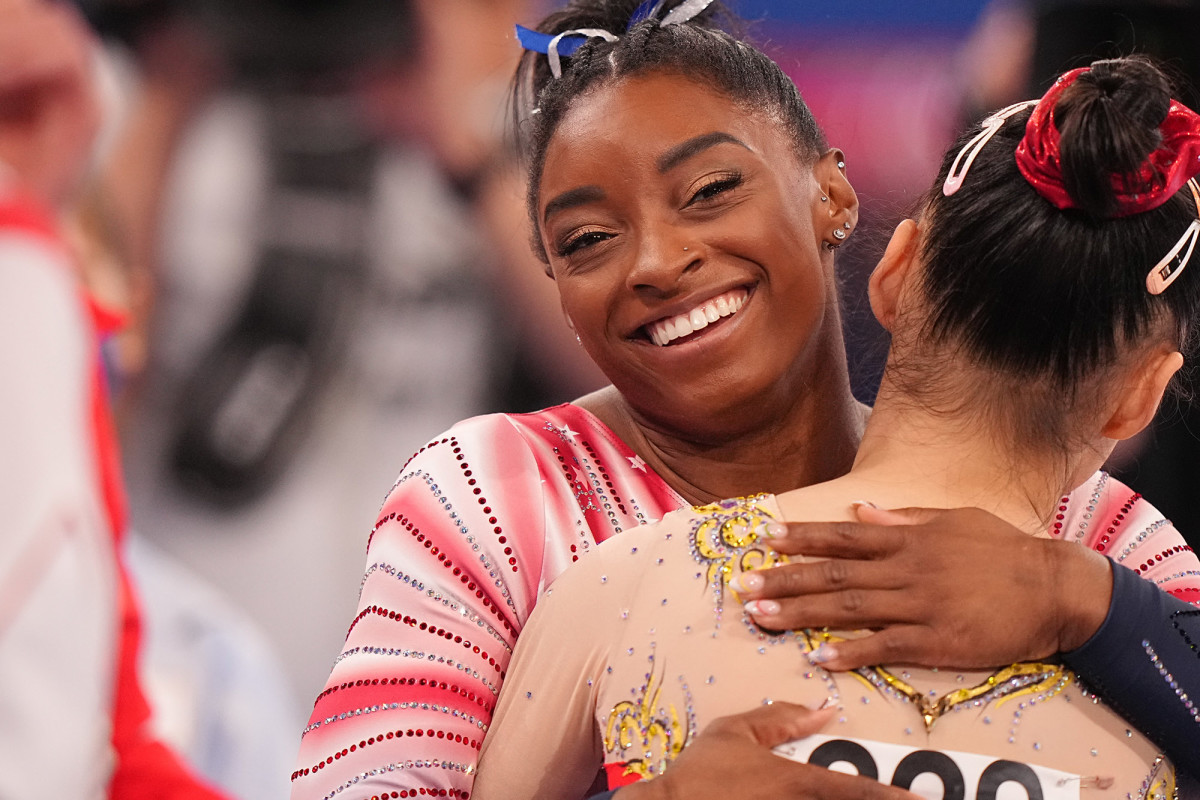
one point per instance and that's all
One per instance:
(1145, 662)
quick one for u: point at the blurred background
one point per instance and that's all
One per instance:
(311, 211)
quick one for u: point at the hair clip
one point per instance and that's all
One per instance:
(564, 45)
(993, 123)
(1171, 266)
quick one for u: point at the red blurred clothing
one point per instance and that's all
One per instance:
(69, 620)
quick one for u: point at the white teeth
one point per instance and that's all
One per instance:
(664, 331)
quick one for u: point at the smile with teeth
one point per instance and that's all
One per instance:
(668, 329)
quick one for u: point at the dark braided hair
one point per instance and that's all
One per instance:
(1048, 296)
(700, 50)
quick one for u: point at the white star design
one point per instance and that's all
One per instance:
(568, 434)
(637, 463)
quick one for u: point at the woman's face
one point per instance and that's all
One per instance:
(685, 238)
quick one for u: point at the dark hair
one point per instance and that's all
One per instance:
(699, 50)
(1047, 295)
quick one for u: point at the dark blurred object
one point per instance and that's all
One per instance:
(269, 39)
(1074, 33)
(1165, 462)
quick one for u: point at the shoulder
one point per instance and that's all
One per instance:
(1111, 518)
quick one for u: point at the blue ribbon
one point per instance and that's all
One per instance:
(540, 42)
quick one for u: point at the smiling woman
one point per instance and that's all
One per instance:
(689, 210)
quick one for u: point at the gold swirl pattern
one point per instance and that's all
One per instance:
(636, 722)
(724, 536)
(1002, 685)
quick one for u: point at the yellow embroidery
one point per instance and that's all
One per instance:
(1001, 686)
(724, 536)
(635, 723)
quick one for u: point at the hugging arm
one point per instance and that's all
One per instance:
(1016, 598)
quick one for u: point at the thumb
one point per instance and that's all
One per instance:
(777, 723)
(873, 515)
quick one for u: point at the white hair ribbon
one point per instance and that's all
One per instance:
(590, 33)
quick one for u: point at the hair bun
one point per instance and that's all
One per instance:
(1109, 122)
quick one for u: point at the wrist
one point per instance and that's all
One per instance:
(1083, 593)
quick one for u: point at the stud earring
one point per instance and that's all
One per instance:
(841, 165)
(839, 234)
(831, 245)
(824, 199)
(846, 225)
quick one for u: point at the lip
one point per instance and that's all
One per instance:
(710, 334)
(693, 301)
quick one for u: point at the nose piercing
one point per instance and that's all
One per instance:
(685, 249)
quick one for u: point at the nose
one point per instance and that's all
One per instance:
(663, 257)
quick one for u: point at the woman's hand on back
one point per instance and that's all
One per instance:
(732, 757)
(944, 588)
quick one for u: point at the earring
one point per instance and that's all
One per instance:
(838, 233)
(578, 341)
(824, 199)
(846, 225)
(831, 245)
(841, 165)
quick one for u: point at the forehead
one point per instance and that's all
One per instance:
(629, 123)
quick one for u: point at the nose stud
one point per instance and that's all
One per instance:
(685, 249)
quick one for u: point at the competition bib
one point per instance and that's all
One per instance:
(935, 774)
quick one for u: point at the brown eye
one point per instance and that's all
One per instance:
(581, 241)
(716, 187)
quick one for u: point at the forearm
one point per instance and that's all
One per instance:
(1145, 662)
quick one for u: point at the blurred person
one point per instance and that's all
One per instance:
(77, 724)
(486, 515)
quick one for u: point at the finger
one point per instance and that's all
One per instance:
(840, 539)
(895, 516)
(817, 577)
(838, 786)
(774, 724)
(852, 608)
(898, 644)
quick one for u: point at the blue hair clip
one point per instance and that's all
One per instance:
(565, 44)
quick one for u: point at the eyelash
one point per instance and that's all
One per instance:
(716, 187)
(580, 240)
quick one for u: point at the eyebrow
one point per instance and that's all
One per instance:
(572, 198)
(698, 144)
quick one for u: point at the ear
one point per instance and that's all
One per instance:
(1139, 401)
(887, 281)
(842, 202)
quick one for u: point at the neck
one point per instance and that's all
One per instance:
(808, 437)
(911, 456)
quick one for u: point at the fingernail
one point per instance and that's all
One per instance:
(774, 530)
(762, 608)
(746, 582)
(823, 654)
(860, 503)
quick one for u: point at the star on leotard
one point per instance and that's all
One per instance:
(637, 463)
(566, 433)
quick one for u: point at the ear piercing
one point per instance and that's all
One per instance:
(824, 199)
(841, 165)
(838, 233)
(846, 225)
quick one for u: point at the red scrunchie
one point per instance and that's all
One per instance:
(1177, 159)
